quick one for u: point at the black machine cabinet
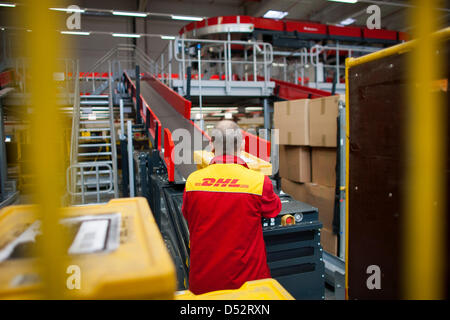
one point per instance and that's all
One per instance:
(294, 253)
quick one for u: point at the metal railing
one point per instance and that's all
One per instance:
(291, 65)
(63, 73)
(294, 66)
(113, 135)
(215, 58)
(318, 53)
(123, 56)
(78, 185)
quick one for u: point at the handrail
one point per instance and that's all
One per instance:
(140, 57)
(316, 50)
(258, 48)
(75, 123)
(153, 121)
(169, 154)
(72, 179)
(113, 134)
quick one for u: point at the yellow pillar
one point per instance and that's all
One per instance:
(424, 218)
(42, 44)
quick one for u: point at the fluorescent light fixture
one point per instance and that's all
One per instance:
(189, 18)
(168, 37)
(274, 14)
(9, 5)
(130, 14)
(347, 21)
(78, 33)
(126, 35)
(68, 10)
(345, 1)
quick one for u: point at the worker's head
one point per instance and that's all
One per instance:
(226, 138)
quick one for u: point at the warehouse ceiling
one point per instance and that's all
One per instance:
(394, 13)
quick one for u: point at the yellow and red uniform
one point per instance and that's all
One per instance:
(223, 205)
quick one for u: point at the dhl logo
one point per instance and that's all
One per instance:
(211, 182)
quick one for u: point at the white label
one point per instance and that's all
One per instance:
(90, 237)
(92, 116)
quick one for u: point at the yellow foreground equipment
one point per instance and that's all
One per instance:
(203, 158)
(266, 289)
(115, 251)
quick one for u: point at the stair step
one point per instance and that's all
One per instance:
(89, 164)
(92, 182)
(94, 129)
(94, 172)
(95, 108)
(96, 118)
(94, 137)
(92, 154)
(94, 96)
(95, 102)
(94, 122)
(94, 145)
(93, 193)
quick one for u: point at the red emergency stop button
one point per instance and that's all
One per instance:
(287, 220)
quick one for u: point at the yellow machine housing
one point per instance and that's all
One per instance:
(265, 289)
(137, 266)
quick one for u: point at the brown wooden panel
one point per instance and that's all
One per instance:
(377, 114)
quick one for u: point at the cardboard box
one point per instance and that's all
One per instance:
(323, 162)
(321, 197)
(329, 241)
(295, 163)
(323, 113)
(291, 118)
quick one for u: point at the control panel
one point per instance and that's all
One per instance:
(292, 212)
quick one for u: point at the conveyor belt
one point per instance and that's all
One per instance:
(172, 120)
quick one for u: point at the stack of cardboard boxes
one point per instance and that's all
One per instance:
(308, 140)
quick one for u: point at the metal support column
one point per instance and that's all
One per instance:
(266, 113)
(130, 158)
(199, 52)
(138, 94)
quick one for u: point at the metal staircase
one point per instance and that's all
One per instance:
(92, 175)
